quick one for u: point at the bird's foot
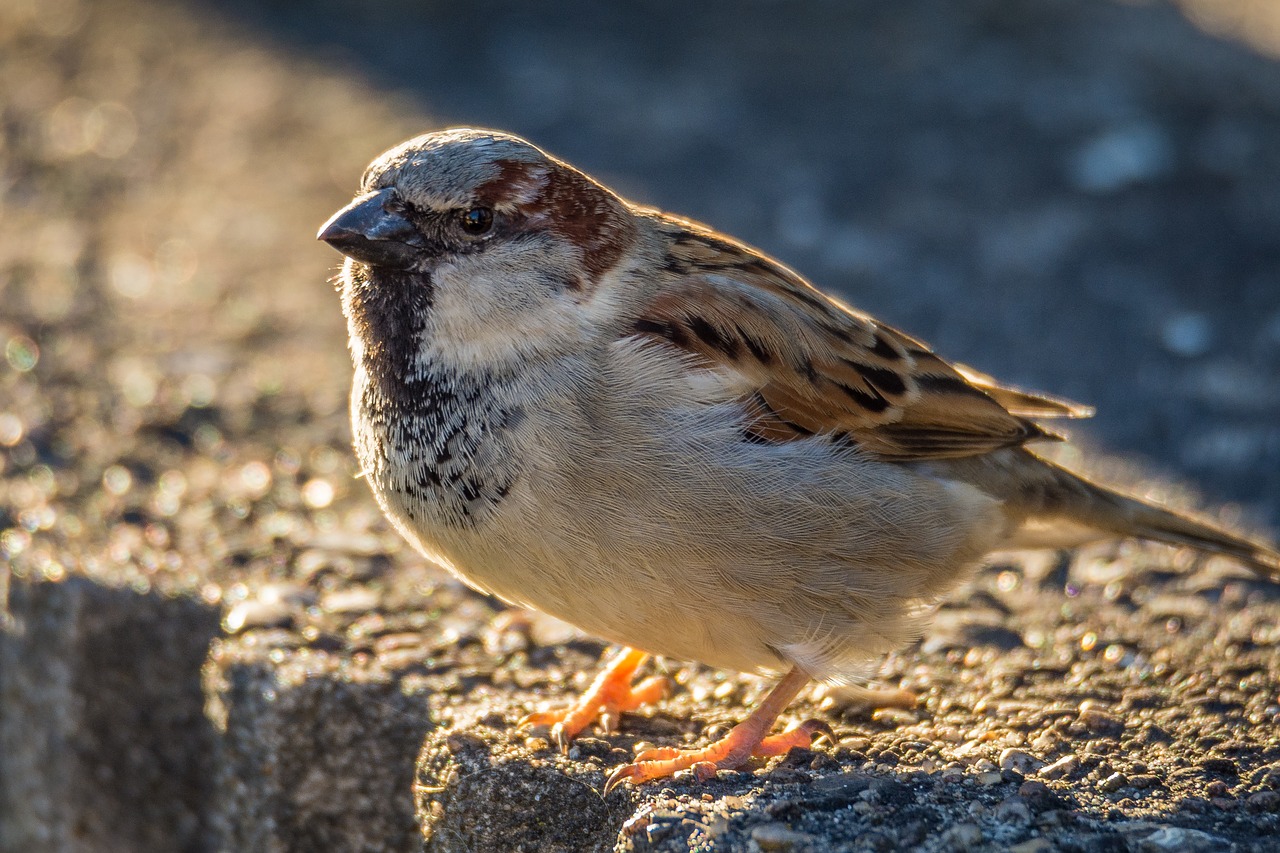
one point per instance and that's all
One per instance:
(744, 741)
(608, 696)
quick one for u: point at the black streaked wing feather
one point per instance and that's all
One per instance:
(816, 366)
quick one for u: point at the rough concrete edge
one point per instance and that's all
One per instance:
(101, 718)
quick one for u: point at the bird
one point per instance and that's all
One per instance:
(670, 440)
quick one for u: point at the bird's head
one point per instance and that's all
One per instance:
(477, 235)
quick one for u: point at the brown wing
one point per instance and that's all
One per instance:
(815, 366)
(1031, 404)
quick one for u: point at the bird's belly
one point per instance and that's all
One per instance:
(621, 599)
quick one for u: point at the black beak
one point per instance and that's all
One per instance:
(367, 232)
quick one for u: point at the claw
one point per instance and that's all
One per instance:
(609, 719)
(821, 731)
(625, 773)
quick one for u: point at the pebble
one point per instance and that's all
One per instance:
(990, 777)
(1019, 760)
(1033, 845)
(894, 718)
(1113, 783)
(1220, 765)
(777, 836)
(1152, 734)
(1014, 810)
(1100, 722)
(1064, 766)
(1176, 839)
(355, 599)
(1035, 792)
(964, 836)
(1264, 801)
(272, 606)
(1218, 788)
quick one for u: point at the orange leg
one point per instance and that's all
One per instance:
(746, 739)
(608, 696)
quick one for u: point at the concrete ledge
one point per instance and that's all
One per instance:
(319, 763)
(103, 740)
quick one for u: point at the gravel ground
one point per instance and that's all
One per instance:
(1076, 196)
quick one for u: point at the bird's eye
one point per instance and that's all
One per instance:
(477, 220)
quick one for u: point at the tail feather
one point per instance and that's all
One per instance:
(1113, 512)
(1148, 521)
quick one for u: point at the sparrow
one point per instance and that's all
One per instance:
(667, 438)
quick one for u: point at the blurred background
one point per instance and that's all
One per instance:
(1077, 196)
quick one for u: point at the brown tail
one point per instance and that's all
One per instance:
(1107, 510)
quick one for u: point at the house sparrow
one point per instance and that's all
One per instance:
(672, 441)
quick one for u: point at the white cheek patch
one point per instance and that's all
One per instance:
(487, 322)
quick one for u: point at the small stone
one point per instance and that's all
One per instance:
(894, 718)
(1019, 760)
(1113, 783)
(1100, 722)
(1151, 734)
(1194, 805)
(355, 599)
(1218, 788)
(257, 614)
(1033, 845)
(1264, 801)
(964, 836)
(990, 778)
(778, 836)
(1038, 795)
(464, 742)
(593, 747)
(1046, 742)
(1145, 780)
(272, 606)
(717, 825)
(1064, 766)
(1225, 766)
(1176, 839)
(1014, 810)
